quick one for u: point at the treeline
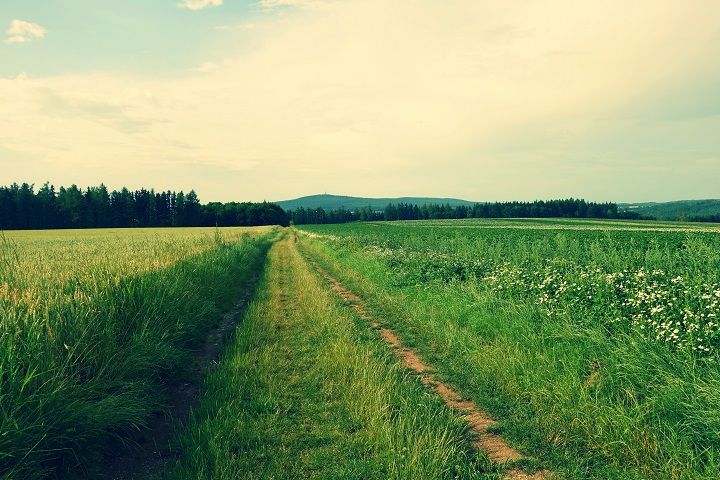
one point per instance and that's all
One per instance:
(703, 218)
(569, 208)
(22, 208)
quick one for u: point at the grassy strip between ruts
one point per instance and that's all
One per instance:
(589, 405)
(84, 374)
(306, 391)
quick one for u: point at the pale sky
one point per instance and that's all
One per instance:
(272, 99)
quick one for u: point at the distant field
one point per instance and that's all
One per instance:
(560, 224)
(84, 235)
(48, 257)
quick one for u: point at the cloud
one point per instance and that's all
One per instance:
(199, 4)
(270, 4)
(95, 108)
(240, 26)
(21, 31)
(459, 98)
(206, 67)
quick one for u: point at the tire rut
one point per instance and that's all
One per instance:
(154, 450)
(479, 422)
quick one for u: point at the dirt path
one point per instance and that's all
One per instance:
(479, 422)
(154, 452)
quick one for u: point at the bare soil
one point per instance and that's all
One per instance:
(479, 422)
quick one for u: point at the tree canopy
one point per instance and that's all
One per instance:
(567, 208)
(22, 208)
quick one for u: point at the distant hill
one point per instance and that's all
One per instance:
(333, 202)
(678, 210)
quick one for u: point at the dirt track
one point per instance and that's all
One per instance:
(479, 422)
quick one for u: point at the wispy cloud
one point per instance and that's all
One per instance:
(21, 31)
(291, 3)
(199, 4)
(240, 26)
(206, 67)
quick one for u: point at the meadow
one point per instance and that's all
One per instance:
(596, 342)
(593, 344)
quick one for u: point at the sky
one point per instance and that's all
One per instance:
(274, 99)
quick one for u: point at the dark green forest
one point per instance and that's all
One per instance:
(335, 202)
(23, 208)
(707, 210)
(568, 208)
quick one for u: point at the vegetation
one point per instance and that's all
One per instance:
(337, 202)
(705, 218)
(692, 210)
(93, 323)
(569, 208)
(22, 208)
(305, 392)
(596, 342)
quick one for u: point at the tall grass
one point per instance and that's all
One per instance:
(592, 401)
(92, 323)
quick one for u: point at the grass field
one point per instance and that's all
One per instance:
(93, 322)
(305, 392)
(597, 347)
(592, 344)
